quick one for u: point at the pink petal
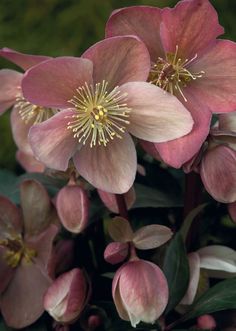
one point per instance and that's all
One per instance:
(111, 168)
(52, 143)
(113, 60)
(188, 26)
(175, 153)
(10, 218)
(9, 88)
(20, 131)
(29, 163)
(215, 88)
(120, 230)
(155, 115)
(116, 252)
(25, 61)
(54, 82)
(110, 202)
(35, 204)
(218, 173)
(227, 122)
(194, 268)
(22, 302)
(72, 206)
(141, 21)
(151, 236)
(6, 272)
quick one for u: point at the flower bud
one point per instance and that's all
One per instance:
(116, 252)
(140, 292)
(206, 322)
(67, 296)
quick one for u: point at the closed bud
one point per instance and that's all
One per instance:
(206, 322)
(116, 252)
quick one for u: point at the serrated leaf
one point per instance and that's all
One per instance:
(150, 197)
(222, 296)
(176, 270)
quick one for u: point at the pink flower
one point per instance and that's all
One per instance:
(25, 246)
(140, 292)
(67, 296)
(187, 61)
(104, 97)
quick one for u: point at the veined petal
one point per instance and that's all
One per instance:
(29, 162)
(141, 21)
(10, 218)
(177, 152)
(119, 60)
(52, 143)
(218, 174)
(216, 87)
(52, 83)
(6, 271)
(9, 88)
(155, 115)
(188, 26)
(111, 168)
(25, 61)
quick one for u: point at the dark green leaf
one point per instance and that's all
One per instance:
(222, 296)
(150, 197)
(176, 269)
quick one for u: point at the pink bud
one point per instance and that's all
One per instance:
(67, 296)
(72, 207)
(94, 321)
(140, 292)
(206, 322)
(109, 199)
(116, 252)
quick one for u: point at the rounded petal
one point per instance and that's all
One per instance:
(20, 131)
(25, 61)
(9, 88)
(219, 258)
(113, 60)
(72, 206)
(35, 204)
(155, 115)
(151, 236)
(52, 143)
(141, 21)
(29, 163)
(177, 152)
(10, 218)
(111, 168)
(120, 230)
(215, 88)
(218, 174)
(188, 26)
(110, 202)
(116, 252)
(22, 302)
(54, 82)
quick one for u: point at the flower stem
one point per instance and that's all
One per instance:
(120, 199)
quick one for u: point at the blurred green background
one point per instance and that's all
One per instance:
(67, 27)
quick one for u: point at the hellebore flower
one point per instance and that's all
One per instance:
(67, 296)
(26, 239)
(140, 292)
(187, 61)
(104, 97)
(24, 114)
(110, 202)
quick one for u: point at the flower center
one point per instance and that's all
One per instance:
(100, 116)
(172, 74)
(16, 251)
(32, 113)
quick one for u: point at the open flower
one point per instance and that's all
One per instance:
(26, 239)
(187, 61)
(105, 97)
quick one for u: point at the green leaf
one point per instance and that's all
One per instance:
(222, 296)
(176, 269)
(150, 197)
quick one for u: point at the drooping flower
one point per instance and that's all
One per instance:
(24, 114)
(187, 61)
(104, 97)
(25, 244)
(140, 292)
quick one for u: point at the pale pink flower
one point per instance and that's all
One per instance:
(140, 292)
(26, 239)
(187, 61)
(104, 98)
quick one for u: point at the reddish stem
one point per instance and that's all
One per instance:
(120, 199)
